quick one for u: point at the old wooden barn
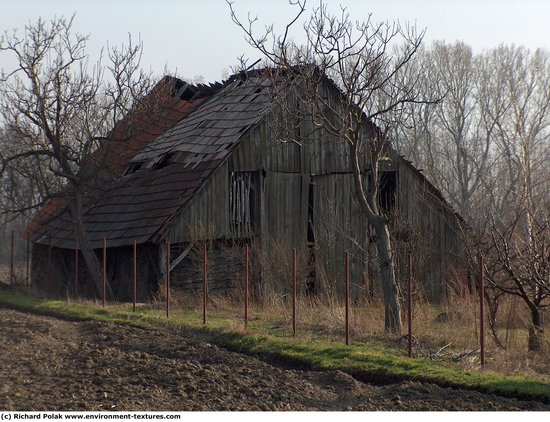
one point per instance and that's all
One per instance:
(216, 172)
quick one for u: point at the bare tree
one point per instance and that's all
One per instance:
(524, 266)
(59, 109)
(19, 191)
(519, 224)
(453, 140)
(372, 88)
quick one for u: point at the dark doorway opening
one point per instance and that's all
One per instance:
(387, 194)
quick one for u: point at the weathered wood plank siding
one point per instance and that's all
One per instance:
(284, 171)
(260, 149)
(264, 149)
(286, 207)
(225, 268)
(58, 278)
(207, 215)
(433, 231)
(339, 225)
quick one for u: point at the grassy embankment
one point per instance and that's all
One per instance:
(272, 339)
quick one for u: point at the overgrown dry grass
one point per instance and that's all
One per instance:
(448, 331)
(318, 344)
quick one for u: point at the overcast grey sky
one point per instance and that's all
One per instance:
(198, 38)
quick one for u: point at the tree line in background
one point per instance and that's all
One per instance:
(477, 124)
(486, 145)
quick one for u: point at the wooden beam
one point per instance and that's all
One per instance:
(181, 257)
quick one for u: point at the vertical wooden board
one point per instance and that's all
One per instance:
(309, 157)
(289, 207)
(266, 149)
(263, 208)
(295, 218)
(285, 208)
(320, 231)
(272, 153)
(162, 259)
(339, 220)
(270, 208)
(205, 209)
(223, 211)
(334, 226)
(338, 162)
(304, 205)
(358, 248)
(248, 154)
(305, 166)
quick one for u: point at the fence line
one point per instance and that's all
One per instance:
(347, 280)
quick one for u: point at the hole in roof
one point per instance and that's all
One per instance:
(188, 93)
(133, 167)
(163, 161)
(258, 90)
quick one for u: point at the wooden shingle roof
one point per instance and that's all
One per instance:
(160, 180)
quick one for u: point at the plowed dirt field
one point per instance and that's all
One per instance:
(53, 364)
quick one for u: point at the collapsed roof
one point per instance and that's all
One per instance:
(170, 165)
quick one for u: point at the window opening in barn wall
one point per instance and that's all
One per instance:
(387, 194)
(245, 202)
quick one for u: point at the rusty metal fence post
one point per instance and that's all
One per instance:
(409, 303)
(245, 287)
(135, 277)
(294, 292)
(167, 279)
(205, 285)
(104, 269)
(481, 312)
(12, 259)
(76, 268)
(49, 265)
(346, 267)
(28, 262)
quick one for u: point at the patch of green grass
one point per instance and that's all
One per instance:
(365, 360)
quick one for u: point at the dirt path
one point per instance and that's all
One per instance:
(52, 364)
